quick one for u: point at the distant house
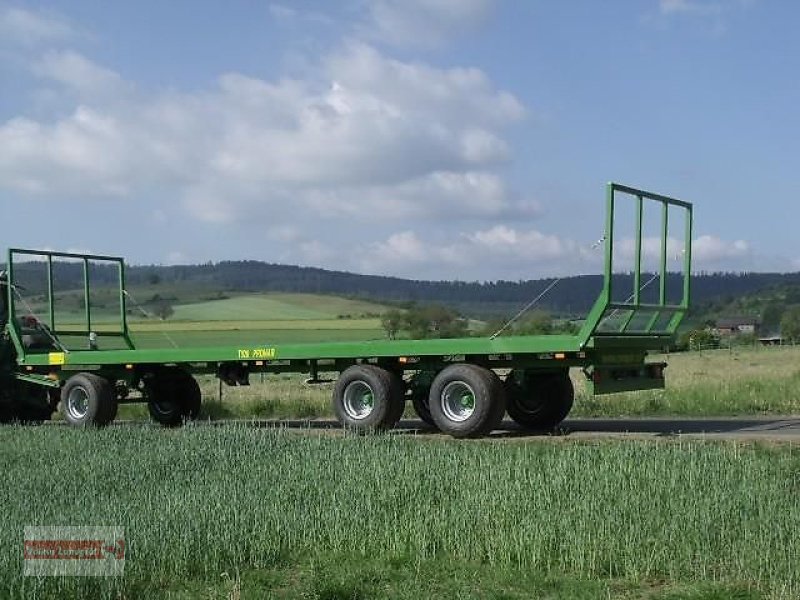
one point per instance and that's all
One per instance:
(737, 326)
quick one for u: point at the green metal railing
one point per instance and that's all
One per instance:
(83, 329)
(632, 316)
(612, 321)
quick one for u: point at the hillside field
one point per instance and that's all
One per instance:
(277, 307)
(268, 318)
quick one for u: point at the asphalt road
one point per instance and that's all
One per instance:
(734, 428)
(767, 429)
(778, 429)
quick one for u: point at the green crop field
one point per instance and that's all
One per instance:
(248, 319)
(276, 306)
(237, 512)
(204, 305)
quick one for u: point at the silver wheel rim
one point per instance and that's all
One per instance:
(457, 401)
(358, 400)
(78, 403)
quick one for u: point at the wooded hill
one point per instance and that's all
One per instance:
(572, 296)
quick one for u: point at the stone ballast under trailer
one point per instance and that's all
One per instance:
(463, 387)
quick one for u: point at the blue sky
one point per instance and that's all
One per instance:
(465, 139)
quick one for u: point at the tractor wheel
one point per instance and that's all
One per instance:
(33, 403)
(467, 400)
(172, 396)
(7, 412)
(26, 402)
(367, 398)
(539, 401)
(87, 399)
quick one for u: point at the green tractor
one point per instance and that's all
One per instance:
(20, 400)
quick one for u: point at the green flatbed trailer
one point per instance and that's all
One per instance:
(462, 386)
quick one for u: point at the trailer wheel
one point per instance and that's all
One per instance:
(87, 399)
(172, 396)
(539, 400)
(419, 389)
(467, 400)
(367, 397)
(191, 396)
(420, 402)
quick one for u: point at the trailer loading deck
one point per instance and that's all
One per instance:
(462, 386)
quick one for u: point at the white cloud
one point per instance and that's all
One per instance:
(82, 153)
(80, 75)
(712, 15)
(669, 7)
(710, 10)
(531, 245)
(290, 14)
(709, 250)
(31, 28)
(372, 137)
(281, 11)
(502, 251)
(497, 252)
(426, 23)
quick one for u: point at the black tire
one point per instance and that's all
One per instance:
(7, 415)
(398, 398)
(367, 397)
(419, 388)
(420, 403)
(87, 399)
(190, 397)
(31, 403)
(467, 400)
(172, 396)
(539, 401)
(7, 401)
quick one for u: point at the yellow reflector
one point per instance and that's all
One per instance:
(56, 358)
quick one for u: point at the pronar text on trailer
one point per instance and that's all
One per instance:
(462, 386)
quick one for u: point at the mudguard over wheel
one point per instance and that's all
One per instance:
(467, 400)
(539, 400)
(368, 397)
(172, 396)
(88, 399)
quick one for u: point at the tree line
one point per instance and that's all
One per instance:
(573, 296)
